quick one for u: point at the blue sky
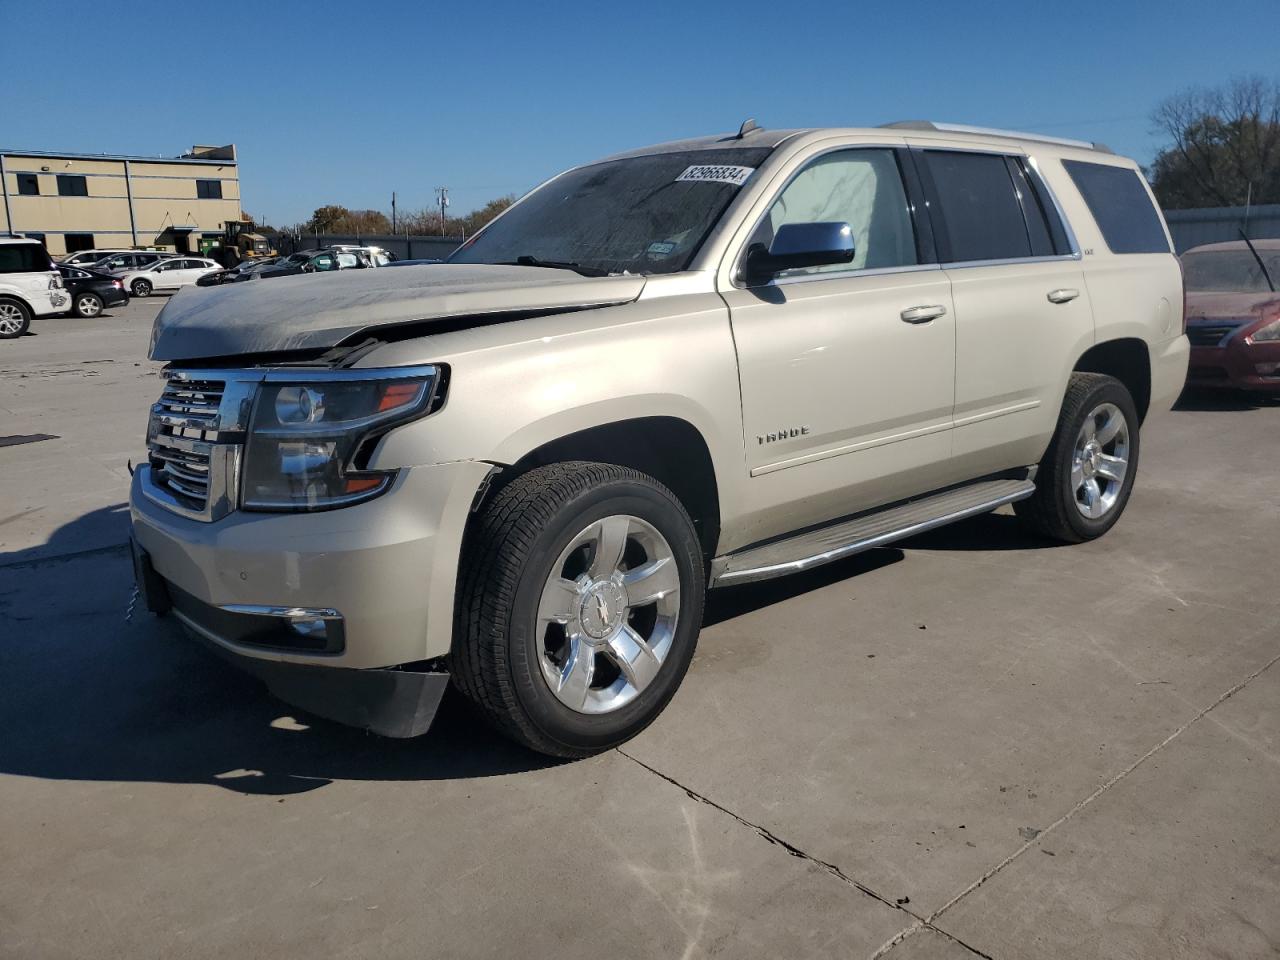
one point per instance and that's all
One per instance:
(345, 102)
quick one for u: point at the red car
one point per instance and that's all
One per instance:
(1233, 315)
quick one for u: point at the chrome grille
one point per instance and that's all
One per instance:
(184, 471)
(184, 428)
(194, 400)
(1213, 334)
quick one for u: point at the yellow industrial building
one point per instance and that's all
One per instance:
(84, 201)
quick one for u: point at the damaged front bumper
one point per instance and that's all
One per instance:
(346, 614)
(394, 702)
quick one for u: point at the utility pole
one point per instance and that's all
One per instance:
(442, 198)
(393, 213)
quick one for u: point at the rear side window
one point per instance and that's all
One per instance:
(981, 214)
(1121, 206)
(23, 258)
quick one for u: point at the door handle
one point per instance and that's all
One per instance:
(923, 314)
(1063, 295)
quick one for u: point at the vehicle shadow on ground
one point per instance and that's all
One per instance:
(89, 696)
(1228, 401)
(990, 531)
(85, 695)
(153, 706)
(104, 529)
(728, 603)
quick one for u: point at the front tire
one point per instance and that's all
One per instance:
(15, 318)
(580, 601)
(1086, 475)
(88, 305)
(141, 288)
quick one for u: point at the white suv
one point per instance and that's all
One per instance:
(166, 276)
(29, 286)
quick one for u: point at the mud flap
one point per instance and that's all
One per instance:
(392, 703)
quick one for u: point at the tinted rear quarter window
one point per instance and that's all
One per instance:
(982, 218)
(1121, 206)
(23, 258)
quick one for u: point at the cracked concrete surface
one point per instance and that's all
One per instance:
(977, 745)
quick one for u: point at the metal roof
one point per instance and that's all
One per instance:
(67, 155)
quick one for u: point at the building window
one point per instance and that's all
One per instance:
(209, 189)
(28, 185)
(78, 241)
(72, 185)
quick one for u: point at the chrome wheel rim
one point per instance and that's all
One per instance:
(607, 615)
(10, 318)
(141, 288)
(88, 306)
(1100, 461)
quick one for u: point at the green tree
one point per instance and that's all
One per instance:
(335, 218)
(1224, 149)
(324, 218)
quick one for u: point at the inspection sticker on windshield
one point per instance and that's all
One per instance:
(717, 174)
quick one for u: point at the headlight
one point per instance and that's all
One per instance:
(1266, 334)
(308, 440)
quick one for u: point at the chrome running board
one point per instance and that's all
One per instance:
(844, 538)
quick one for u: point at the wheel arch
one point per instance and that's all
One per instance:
(1128, 359)
(668, 448)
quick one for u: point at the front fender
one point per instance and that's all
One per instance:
(516, 386)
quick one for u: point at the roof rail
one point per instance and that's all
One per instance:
(992, 132)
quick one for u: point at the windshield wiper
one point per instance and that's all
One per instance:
(1266, 274)
(528, 261)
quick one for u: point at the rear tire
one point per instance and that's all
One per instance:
(88, 305)
(574, 564)
(15, 318)
(1086, 475)
(141, 288)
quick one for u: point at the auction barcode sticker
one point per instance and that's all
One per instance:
(717, 174)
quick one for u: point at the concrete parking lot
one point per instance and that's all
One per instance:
(975, 745)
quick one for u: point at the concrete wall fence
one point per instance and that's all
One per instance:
(1190, 228)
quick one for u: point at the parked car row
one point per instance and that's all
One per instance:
(32, 284)
(340, 257)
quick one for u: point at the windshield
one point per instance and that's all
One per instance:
(643, 215)
(1230, 271)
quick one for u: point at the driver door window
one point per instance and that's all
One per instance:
(323, 262)
(862, 188)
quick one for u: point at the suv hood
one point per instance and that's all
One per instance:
(1228, 306)
(317, 312)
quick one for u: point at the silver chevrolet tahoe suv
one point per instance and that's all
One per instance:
(699, 364)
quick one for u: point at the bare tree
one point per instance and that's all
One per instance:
(1225, 145)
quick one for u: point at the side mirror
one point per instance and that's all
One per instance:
(799, 245)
